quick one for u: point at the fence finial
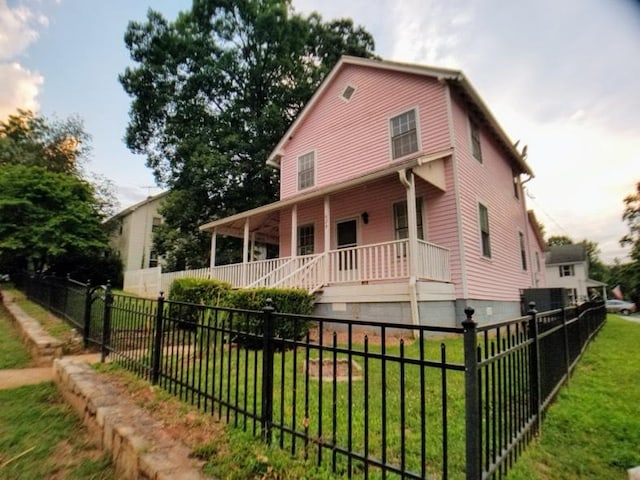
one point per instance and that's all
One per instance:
(532, 308)
(468, 311)
(268, 305)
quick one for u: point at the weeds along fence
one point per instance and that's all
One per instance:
(363, 399)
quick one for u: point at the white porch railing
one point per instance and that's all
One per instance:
(378, 262)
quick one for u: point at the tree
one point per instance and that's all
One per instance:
(29, 139)
(631, 215)
(213, 92)
(559, 240)
(46, 215)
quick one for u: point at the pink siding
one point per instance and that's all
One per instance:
(377, 199)
(351, 138)
(537, 249)
(491, 183)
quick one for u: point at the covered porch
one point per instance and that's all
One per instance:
(364, 233)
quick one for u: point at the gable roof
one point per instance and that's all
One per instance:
(535, 226)
(574, 253)
(453, 77)
(133, 208)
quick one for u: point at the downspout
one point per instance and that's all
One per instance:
(534, 280)
(413, 236)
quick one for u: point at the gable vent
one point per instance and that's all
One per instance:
(348, 92)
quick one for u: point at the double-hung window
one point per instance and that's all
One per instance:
(401, 219)
(566, 271)
(523, 251)
(305, 240)
(306, 170)
(476, 149)
(404, 134)
(485, 238)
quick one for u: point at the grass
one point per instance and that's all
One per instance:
(592, 432)
(13, 353)
(41, 437)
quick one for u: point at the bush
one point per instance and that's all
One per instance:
(285, 300)
(192, 293)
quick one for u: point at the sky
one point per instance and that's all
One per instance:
(563, 77)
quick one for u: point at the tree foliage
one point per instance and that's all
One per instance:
(46, 215)
(213, 92)
(597, 269)
(631, 215)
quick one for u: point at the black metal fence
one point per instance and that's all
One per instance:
(365, 399)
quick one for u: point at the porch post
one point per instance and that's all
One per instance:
(327, 238)
(212, 259)
(412, 220)
(294, 231)
(245, 252)
(252, 255)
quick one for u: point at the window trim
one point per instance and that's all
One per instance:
(314, 170)
(474, 127)
(486, 253)
(571, 270)
(416, 112)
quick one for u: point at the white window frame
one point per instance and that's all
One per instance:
(312, 153)
(487, 253)
(391, 118)
(474, 127)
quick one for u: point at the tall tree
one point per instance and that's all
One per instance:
(213, 92)
(629, 274)
(597, 269)
(46, 215)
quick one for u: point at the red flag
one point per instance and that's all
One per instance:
(617, 292)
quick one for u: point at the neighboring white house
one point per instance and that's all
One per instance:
(568, 267)
(132, 233)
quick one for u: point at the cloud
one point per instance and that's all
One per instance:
(20, 89)
(18, 30)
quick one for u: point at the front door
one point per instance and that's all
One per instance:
(347, 237)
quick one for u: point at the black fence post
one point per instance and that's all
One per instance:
(86, 324)
(106, 323)
(267, 371)
(472, 399)
(534, 364)
(157, 341)
(567, 353)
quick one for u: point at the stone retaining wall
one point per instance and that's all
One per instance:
(139, 447)
(43, 347)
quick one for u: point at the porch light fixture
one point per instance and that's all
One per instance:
(365, 218)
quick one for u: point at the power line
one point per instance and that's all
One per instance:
(553, 220)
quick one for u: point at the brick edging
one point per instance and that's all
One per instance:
(43, 347)
(140, 448)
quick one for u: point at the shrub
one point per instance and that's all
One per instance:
(192, 293)
(285, 300)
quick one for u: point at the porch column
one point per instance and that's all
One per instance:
(294, 231)
(327, 237)
(252, 256)
(245, 252)
(212, 258)
(412, 220)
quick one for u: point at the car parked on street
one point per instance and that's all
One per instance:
(620, 306)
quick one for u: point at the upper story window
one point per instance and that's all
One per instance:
(566, 270)
(485, 237)
(306, 170)
(404, 135)
(155, 224)
(476, 149)
(401, 219)
(523, 251)
(306, 240)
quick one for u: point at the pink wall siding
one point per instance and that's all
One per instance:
(536, 248)
(490, 183)
(377, 199)
(352, 137)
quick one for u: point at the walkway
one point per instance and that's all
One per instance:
(16, 377)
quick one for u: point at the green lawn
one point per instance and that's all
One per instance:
(41, 437)
(13, 354)
(592, 432)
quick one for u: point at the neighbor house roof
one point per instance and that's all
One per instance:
(453, 77)
(574, 253)
(133, 208)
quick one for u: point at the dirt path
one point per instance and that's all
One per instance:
(16, 377)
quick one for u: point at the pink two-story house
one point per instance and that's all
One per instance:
(401, 200)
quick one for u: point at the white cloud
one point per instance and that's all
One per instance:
(18, 30)
(20, 89)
